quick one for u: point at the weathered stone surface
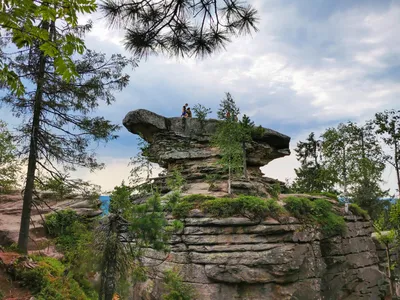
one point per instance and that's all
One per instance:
(186, 143)
(236, 259)
(10, 216)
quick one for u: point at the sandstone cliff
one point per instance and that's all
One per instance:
(237, 257)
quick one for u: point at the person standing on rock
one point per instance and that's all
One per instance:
(189, 112)
(184, 111)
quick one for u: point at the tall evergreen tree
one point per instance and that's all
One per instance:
(246, 127)
(179, 27)
(59, 124)
(387, 126)
(129, 230)
(312, 176)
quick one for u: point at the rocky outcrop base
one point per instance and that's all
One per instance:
(236, 258)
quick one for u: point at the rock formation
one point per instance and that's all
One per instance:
(185, 143)
(10, 216)
(237, 258)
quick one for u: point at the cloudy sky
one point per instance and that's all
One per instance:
(312, 65)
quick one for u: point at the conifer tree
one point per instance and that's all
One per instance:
(228, 138)
(125, 234)
(246, 127)
(179, 27)
(59, 124)
(312, 176)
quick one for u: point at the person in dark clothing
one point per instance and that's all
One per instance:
(189, 112)
(184, 111)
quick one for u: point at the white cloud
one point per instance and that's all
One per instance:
(116, 171)
(298, 72)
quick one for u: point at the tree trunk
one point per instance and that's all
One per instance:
(109, 268)
(229, 178)
(397, 165)
(30, 175)
(246, 175)
(344, 174)
(389, 272)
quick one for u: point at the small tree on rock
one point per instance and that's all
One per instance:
(228, 138)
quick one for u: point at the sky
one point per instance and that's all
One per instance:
(311, 65)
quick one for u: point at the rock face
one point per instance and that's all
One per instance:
(235, 258)
(186, 143)
(10, 216)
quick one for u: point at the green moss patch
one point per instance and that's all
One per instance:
(358, 211)
(318, 211)
(246, 206)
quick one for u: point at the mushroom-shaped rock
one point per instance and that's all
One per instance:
(186, 142)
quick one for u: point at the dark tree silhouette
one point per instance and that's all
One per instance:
(179, 27)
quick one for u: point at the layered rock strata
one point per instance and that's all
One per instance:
(236, 258)
(185, 143)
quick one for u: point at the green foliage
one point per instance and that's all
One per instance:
(394, 216)
(221, 20)
(2, 295)
(9, 166)
(19, 20)
(176, 180)
(353, 156)
(257, 132)
(330, 195)
(75, 240)
(47, 280)
(211, 179)
(248, 206)
(182, 209)
(139, 273)
(386, 238)
(171, 200)
(197, 198)
(228, 109)
(176, 226)
(60, 223)
(275, 190)
(358, 211)
(175, 288)
(318, 211)
(312, 176)
(299, 207)
(201, 112)
(145, 224)
(387, 126)
(58, 185)
(142, 168)
(228, 139)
